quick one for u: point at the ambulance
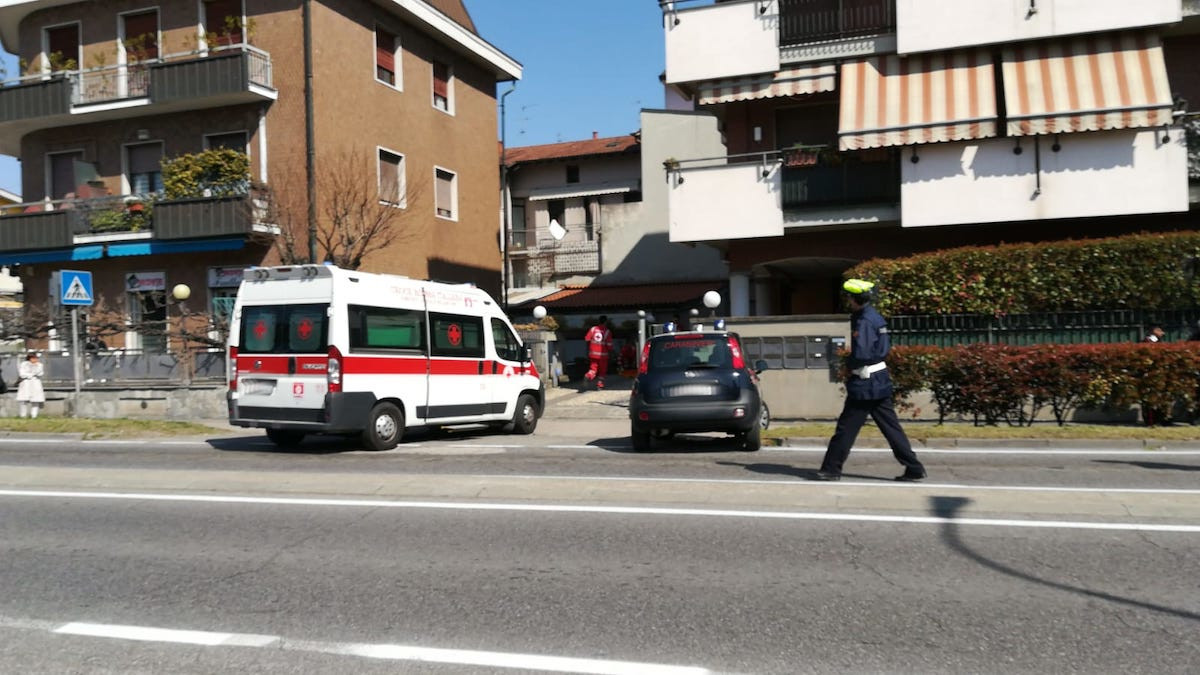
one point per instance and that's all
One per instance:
(316, 349)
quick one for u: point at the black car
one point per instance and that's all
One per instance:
(693, 382)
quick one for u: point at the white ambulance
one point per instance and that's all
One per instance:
(319, 349)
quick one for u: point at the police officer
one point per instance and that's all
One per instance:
(868, 391)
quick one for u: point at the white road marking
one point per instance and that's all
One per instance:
(623, 510)
(393, 652)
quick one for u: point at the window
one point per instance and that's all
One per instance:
(62, 173)
(442, 87)
(556, 210)
(148, 315)
(521, 237)
(222, 23)
(233, 140)
(61, 46)
(572, 174)
(387, 48)
(456, 335)
(508, 347)
(285, 329)
(382, 328)
(391, 178)
(139, 36)
(446, 194)
(143, 167)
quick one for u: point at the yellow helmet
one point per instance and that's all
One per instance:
(858, 287)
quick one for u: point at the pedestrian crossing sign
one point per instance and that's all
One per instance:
(76, 287)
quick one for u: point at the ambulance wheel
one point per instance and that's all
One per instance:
(385, 426)
(287, 439)
(525, 418)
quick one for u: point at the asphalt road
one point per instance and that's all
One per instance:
(566, 552)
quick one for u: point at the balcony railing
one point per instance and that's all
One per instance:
(579, 236)
(191, 75)
(822, 176)
(55, 224)
(805, 21)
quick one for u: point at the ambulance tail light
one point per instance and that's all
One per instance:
(644, 365)
(334, 370)
(233, 375)
(739, 361)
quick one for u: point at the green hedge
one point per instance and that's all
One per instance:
(1001, 383)
(1145, 271)
(219, 172)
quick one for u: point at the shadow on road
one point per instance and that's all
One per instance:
(949, 507)
(788, 470)
(330, 444)
(683, 444)
(1165, 466)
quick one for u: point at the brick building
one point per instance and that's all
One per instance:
(403, 94)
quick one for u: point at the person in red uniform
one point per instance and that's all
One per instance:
(599, 343)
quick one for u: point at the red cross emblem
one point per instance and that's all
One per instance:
(454, 334)
(305, 329)
(260, 329)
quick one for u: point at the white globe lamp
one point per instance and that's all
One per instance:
(539, 312)
(712, 299)
(181, 292)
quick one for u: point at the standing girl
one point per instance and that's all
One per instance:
(30, 395)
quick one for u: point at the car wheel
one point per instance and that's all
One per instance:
(764, 416)
(525, 417)
(286, 439)
(640, 440)
(752, 439)
(385, 426)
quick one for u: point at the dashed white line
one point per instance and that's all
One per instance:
(622, 510)
(393, 652)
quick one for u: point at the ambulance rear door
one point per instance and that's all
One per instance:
(283, 360)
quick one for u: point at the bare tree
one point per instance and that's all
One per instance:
(359, 211)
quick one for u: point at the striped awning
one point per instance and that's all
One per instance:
(790, 82)
(1086, 84)
(921, 98)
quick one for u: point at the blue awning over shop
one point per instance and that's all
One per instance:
(161, 247)
(56, 255)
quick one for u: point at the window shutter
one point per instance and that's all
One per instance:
(389, 177)
(385, 50)
(445, 193)
(146, 23)
(145, 158)
(441, 80)
(62, 173)
(215, 14)
(64, 40)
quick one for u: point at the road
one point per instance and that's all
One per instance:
(564, 551)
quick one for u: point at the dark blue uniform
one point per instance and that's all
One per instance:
(872, 396)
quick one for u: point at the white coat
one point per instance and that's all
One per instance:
(30, 388)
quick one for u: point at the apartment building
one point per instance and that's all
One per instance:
(402, 102)
(854, 129)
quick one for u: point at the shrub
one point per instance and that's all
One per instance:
(1147, 271)
(219, 172)
(1002, 383)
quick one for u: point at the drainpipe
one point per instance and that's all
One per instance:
(505, 202)
(310, 145)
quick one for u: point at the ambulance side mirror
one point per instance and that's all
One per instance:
(526, 354)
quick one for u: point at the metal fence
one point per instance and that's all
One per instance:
(1128, 325)
(122, 368)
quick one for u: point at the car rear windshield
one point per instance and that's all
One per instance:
(286, 329)
(690, 351)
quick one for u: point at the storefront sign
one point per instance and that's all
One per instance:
(225, 277)
(141, 282)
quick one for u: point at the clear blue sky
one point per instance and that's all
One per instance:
(589, 65)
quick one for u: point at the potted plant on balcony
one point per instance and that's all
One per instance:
(800, 155)
(219, 172)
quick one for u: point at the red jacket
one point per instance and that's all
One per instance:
(599, 340)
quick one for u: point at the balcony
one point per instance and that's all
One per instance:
(577, 253)
(805, 21)
(747, 37)
(78, 222)
(191, 81)
(821, 176)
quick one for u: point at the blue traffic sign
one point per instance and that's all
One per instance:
(76, 287)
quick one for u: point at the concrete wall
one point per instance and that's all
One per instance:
(928, 25)
(172, 403)
(1102, 173)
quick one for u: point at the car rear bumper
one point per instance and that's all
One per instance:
(683, 416)
(343, 412)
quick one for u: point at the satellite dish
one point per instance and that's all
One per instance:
(557, 231)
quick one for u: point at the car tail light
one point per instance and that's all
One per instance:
(644, 365)
(233, 374)
(736, 350)
(333, 371)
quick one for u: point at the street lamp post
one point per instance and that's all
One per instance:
(505, 202)
(182, 292)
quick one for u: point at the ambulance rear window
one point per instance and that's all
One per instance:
(287, 329)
